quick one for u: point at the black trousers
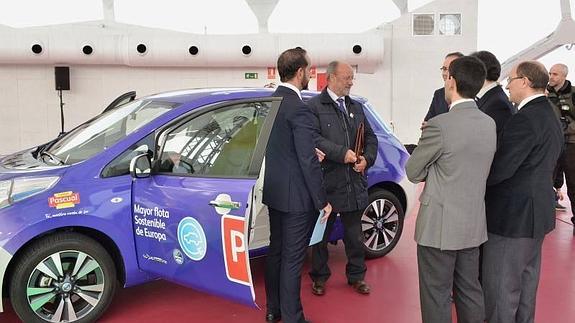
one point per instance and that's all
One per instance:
(511, 270)
(353, 240)
(290, 234)
(567, 165)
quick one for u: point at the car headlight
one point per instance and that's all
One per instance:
(19, 189)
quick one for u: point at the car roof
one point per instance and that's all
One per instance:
(189, 95)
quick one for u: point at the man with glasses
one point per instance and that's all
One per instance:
(438, 103)
(520, 200)
(339, 119)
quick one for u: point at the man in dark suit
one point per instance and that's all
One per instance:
(438, 103)
(491, 99)
(339, 118)
(520, 200)
(293, 189)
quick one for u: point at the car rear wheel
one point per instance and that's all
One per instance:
(381, 223)
(66, 277)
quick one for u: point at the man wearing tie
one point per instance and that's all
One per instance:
(453, 158)
(520, 200)
(339, 118)
(293, 189)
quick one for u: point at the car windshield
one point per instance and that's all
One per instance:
(104, 131)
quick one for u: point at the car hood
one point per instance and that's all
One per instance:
(22, 163)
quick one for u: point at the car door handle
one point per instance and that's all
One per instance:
(226, 204)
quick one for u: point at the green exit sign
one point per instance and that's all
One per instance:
(251, 76)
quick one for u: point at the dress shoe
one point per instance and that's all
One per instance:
(271, 317)
(318, 288)
(361, 287)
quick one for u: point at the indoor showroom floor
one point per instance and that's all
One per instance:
(393, 279)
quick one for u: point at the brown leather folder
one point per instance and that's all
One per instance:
(359, 141)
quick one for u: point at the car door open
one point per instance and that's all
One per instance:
(191, 215)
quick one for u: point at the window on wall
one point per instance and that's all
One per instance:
(423, 24)
(217, 143)
(450, 24)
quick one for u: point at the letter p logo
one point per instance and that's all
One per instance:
(235, 253)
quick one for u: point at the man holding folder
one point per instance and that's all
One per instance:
(347, 146)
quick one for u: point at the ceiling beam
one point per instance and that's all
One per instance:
(262, 9)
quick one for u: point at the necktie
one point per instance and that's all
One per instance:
(341, 106)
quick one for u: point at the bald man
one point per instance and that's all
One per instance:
(561, 94)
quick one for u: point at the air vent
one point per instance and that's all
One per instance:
(423, 24)
(193, 50)
(142, 49)
(37, 49)
(450, 24)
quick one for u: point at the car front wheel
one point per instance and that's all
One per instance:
(65, 277)
(381, 223)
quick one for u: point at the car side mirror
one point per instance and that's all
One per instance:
(140, 166)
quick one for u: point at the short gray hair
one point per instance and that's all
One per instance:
(331, 67)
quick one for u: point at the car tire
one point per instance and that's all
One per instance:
(82, 285)
(381, 223)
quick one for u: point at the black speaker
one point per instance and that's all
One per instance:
(62, 74)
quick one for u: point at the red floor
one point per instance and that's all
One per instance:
(394, 296)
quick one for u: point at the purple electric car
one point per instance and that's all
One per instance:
(167, 186)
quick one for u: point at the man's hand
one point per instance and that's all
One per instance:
(350, 157)
(559, 194)
(326, 213)
(320, 155)
(360, 167)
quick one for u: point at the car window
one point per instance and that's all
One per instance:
(217, 143)
(121, 164)
(106, 130)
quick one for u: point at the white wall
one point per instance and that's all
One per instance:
(400, 84)
(414, 62)
(29, 104)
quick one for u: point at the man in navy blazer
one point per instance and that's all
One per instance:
(438, 103)
(293, 189)
(520, 200)
(491, 99)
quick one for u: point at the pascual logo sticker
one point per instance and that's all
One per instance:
(192, 238)
(64, 200)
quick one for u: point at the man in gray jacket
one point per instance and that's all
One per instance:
(453, 158)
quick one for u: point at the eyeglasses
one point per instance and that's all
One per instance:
(510, 79)
(347, 78)
(443, 69)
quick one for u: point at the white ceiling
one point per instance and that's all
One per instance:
(211, 17)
